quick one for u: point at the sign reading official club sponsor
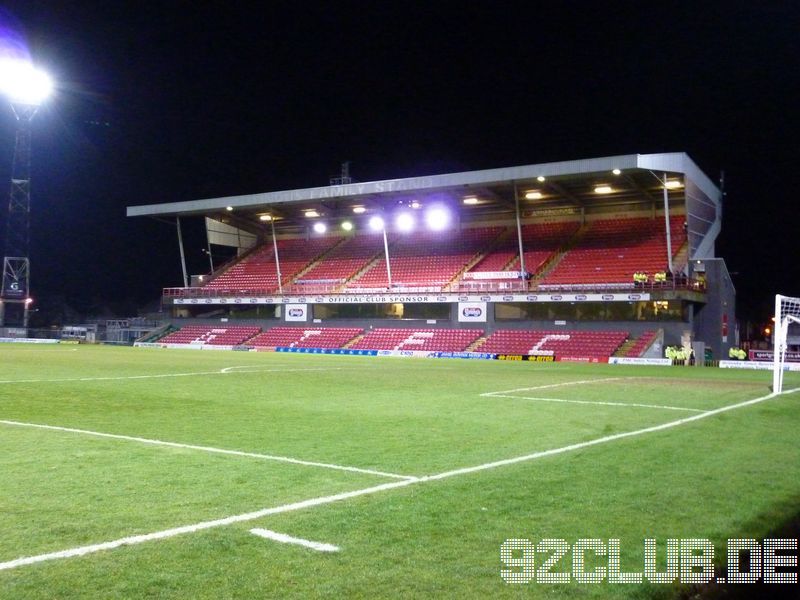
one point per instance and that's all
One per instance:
(297, 312)
(421, 298)
(472, 312)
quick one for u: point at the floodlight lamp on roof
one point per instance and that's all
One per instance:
(540, 178)
(311, 214)
(415, 204)
(603, 189)
(533, 195)
(265, 218)
(229, 208)
(437, 218)
(673, 184)
(470, 200)
(347, 226)
(23, 83)
(376, 223)
(616, 171)
(359, 210)
(404, 222)
(320, 227)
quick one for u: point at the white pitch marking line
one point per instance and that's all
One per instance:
(605, 439)
(168, 533)
(128, 438)
(553, 385)
(664, 406)
(52, 348)
(287, 539)
(224, 371)
(260, 369)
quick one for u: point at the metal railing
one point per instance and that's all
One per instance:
(675, 284)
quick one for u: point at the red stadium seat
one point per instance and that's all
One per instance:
(575, 345)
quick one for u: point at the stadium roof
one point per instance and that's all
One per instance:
(629, 178)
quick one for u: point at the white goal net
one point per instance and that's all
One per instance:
(787, 329)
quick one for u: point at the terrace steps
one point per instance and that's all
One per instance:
(355, 340)
(625, 347)
(375, 260)
(317, 260)
(476, 344)
(479, 256)
(559, 254)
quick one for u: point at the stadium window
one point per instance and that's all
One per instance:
(620, 311)
(590, 311)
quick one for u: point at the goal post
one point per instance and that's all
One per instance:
(787, 314)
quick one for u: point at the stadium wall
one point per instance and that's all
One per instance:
(715, 321)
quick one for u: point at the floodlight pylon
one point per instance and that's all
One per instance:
(15, 286)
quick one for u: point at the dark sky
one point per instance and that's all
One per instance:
(169, 101)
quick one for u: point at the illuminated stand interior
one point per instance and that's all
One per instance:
(26, 88)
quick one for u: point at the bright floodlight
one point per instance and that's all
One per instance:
(437, 218)
(22, 83)
(404, 222)
(347, 225)
(320, 227)
(376, 223)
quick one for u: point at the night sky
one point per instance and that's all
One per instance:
(171, 101)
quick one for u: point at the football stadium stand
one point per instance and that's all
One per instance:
(444, 340)
(610, 251)
(428, 259)
(258, 270)
(566, 345)
(607, 253)
(584, 258)
(215, 336)
(342, 262)
(540, 242)
(305, 337)
(640, 345)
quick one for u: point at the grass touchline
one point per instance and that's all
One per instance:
(81, 551)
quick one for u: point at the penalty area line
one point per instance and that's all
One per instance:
(153, 442)
(599, 402)
(168, 533)
(225, 371)
(288, 539)
(554, 385)
(605, 439)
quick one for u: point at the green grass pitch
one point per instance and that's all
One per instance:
(406, 465)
